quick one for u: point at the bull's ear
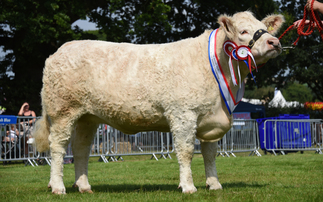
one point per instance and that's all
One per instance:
(226, 23)
(273, 23)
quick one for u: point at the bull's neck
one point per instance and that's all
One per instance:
(223, 59)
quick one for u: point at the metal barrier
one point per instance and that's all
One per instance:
(16, 139)
(110, 144)
(293, 135)
(242, 137)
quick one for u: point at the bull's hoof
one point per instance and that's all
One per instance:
(58, 191)
(87, 191)
(215, 186)
(188, 189)
(82, 190)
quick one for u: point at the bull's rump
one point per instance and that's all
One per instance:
(125, 85)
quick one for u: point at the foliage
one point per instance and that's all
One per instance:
(294, 177)
(302, 64)
(99, 35)
(30, 31)
(297, 92)
(266, 93)
(2, 109)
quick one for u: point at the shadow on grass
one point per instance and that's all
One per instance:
(128, 188)
(242, 185)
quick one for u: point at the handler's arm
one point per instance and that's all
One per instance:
(317, 6)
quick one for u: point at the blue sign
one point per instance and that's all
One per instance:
(8, 119)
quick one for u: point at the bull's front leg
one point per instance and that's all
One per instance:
(184, 128)
(209, 151)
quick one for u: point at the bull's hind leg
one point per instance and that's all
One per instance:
(60, 133)
(81, 146)
(209, 151)
(183, 127)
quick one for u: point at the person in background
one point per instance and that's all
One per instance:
(27, 123)
(25, 111)
(12, 134)
(317, 6)
(27, 126)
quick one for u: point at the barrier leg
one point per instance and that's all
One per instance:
(104, 159)
(154, 156)
(48, 161)
(318, 151)
(120, 157)
(226, 153)
(232, 154)
(29, 162)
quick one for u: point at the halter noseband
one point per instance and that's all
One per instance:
(256, 36)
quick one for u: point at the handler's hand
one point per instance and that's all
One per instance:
(298, 22)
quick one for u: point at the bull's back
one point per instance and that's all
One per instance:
(127, 85)
(122, 84)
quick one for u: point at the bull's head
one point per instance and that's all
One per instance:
(243, 28)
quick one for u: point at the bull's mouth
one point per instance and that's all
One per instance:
(276, 48)
(275, 51)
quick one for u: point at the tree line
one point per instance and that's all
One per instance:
(32, 30)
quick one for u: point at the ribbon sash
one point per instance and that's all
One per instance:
(218, 73)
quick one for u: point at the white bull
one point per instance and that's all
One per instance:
(163, 87)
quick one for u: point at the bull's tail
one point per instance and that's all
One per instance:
(41, 133)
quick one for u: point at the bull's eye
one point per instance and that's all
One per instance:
(243, 32)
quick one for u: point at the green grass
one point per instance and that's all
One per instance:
(294, 177)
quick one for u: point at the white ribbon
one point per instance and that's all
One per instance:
(217, 71)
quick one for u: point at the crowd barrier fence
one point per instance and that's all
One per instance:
(293, 135)
(110, 144)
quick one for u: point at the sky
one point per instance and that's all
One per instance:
(85, 24)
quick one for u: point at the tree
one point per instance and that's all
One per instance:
(167, 21)
(31, 30)
(297, 92)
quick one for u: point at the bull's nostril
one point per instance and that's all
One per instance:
(270, 42)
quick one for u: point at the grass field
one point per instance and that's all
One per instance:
(294, 177)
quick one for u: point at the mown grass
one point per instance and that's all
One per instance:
(294, 177)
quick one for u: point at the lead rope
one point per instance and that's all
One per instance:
(314, 19)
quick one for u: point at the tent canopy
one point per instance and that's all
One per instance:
(280, 101)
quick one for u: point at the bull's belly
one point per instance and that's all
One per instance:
(132, 121)
(140, 127)
(212, 135)
(213, 127)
